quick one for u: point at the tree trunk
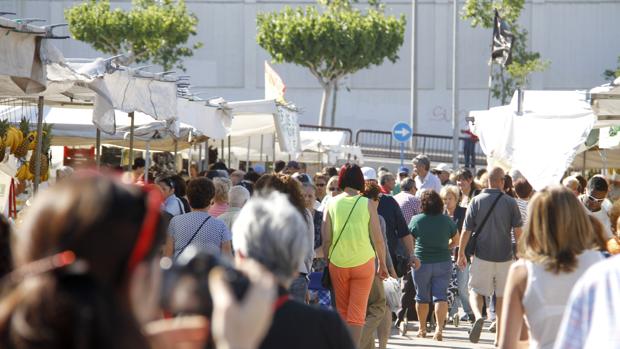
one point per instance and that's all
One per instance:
(327, 90)
(333, 118)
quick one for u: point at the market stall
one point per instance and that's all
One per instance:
(542, 142)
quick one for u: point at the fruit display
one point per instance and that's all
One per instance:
(4, 128)
(21, 141)
(46, 142)
(22, 149)
(13, 138)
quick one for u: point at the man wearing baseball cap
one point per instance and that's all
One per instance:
(443, 172)
(403, 172)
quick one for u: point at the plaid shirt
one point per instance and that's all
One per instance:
(409, 204)
(591, 319)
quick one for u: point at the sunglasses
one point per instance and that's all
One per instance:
(593, 199)
(332, 189)
(320, 184)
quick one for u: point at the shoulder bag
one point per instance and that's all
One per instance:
(470, 249)
(192, 238)
(326, 280)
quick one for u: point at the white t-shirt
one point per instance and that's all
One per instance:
(591, 319)
(603, 217)
(430, 182)
(546, 296)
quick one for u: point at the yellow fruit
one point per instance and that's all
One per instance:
(16, 138)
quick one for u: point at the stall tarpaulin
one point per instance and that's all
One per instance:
(542, 142)
(606, 99)
(21, 70)
(264, 117)
(73, 127)
(211, 121)
(329, 145)
(131, 91)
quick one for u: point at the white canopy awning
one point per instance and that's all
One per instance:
(73, 127)
(542, 142)
(263, 117)
(606, 99)
(21, 69)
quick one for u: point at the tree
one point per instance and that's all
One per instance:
(332, 43)
(153, 30)
(506, 79)
(612, 74)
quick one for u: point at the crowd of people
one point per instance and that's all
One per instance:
(335, 259)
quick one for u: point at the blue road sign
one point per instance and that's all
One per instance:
(402, 132)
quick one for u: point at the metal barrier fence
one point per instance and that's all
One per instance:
(438, 148)
(380, 144)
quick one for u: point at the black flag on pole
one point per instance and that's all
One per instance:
(502, 42)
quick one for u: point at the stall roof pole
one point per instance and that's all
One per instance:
(98, 149)
(147, 162)
(176, 151)
(247, 158)
(228, 151)
(207, 155)
(200, 166)
(274, 150)
(131, 139)
(37, 154)
(261, 148)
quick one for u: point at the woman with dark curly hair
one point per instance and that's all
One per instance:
(435, 234)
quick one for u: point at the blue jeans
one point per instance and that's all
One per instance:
(462, 279)
(469, 151)
(432, 281)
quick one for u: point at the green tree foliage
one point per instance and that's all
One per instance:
(332, 41)
(524, 62)
(612, 74)
(153, 30)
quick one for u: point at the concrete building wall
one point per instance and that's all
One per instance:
(579, 37)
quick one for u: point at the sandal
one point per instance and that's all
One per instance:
(438, 336)
(421, 334)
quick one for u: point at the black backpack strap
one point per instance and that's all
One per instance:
(192, 238)
(344, 226)
(479, 230)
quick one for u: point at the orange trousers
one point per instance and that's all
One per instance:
(352, 288)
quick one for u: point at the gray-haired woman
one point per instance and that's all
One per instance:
(267, 231)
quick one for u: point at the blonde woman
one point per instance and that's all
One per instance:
(557, 247)
(450, 195)
(220, 205)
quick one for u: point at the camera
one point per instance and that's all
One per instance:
(185, 284)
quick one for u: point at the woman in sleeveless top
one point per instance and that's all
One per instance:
(350, 230)
(557, 247)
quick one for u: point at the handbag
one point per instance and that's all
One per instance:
(470, 249)
(326, 280)
(192, 238)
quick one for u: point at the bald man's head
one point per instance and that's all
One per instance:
(496, 178)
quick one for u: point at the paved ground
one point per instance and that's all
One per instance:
(453, 338)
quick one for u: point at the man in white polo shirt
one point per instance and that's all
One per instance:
(424, 179)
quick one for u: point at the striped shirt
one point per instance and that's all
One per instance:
(409, 204)
(522, 209)
(210, 237)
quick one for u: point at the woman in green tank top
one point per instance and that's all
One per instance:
(350, 230)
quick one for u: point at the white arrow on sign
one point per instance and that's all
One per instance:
(403, 132)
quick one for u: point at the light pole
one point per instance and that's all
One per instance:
(414, 84)
(455, 99)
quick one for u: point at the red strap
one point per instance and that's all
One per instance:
(149, 225)
(280, 302)
(12, 200)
